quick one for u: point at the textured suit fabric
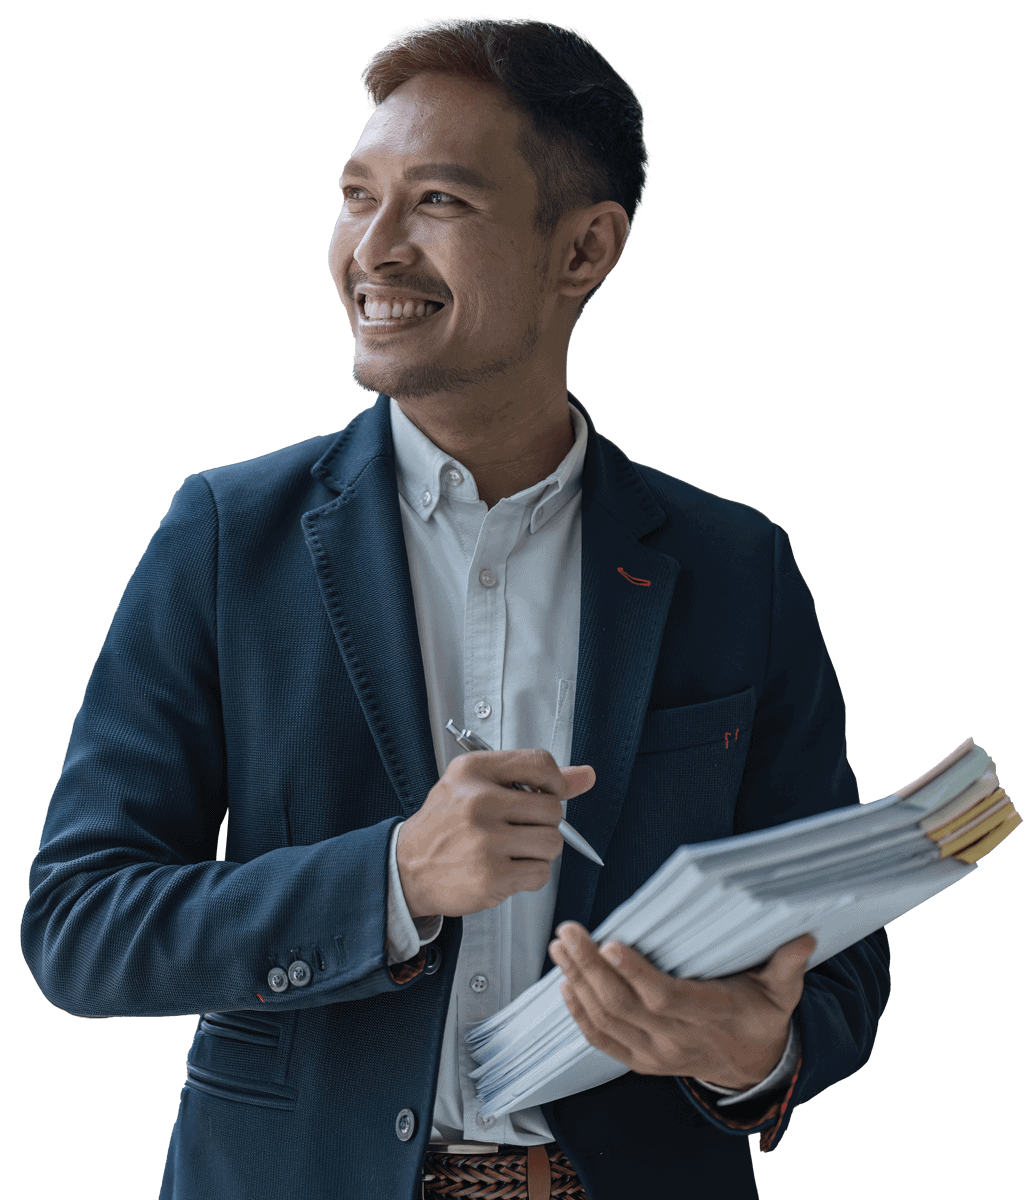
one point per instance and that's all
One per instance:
(265, 658)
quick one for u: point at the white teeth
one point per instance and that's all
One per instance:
(383, 310)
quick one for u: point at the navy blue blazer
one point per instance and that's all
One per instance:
(264, 659)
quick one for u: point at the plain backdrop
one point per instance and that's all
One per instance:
(824, 310)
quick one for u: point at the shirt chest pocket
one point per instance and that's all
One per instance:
(690, 762)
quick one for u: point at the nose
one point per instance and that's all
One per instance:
(385, 243)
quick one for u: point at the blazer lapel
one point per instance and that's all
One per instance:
(359, 553)
(626, 593)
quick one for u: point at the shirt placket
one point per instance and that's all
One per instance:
(484, 985)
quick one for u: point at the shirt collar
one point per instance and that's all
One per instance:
(426, 474)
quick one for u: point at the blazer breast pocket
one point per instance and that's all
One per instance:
(690, 761)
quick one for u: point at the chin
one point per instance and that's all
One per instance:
(411, 383)
(415, 381)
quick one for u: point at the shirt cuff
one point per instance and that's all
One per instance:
(777, 1077)
(405, 936)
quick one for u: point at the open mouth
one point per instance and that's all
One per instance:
(395, 308)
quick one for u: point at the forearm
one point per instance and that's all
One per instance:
(104, 937)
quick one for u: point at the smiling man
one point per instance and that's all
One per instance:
(303, 626)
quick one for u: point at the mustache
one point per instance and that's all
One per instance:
(427, 285)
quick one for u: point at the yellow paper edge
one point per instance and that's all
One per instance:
(974, 810)
(972, 853)
(972, 836)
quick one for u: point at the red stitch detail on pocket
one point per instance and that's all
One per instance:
(261, 1001)
(727, 739)
(632, 578)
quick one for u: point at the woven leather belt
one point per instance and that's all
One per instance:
(476, 1171)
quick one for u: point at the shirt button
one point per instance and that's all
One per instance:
(483, 710)
(425, 499)
(454, 477)
(487, 578)
(479, 984)
(484, 1122)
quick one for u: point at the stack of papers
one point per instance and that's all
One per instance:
(720, 907)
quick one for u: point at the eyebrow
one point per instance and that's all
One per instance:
(443, 172)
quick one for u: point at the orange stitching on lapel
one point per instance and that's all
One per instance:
(632, 578)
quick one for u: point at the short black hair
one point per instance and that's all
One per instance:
(586, 141)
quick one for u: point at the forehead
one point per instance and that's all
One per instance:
(440, 118)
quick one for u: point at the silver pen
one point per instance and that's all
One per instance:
(469, 740)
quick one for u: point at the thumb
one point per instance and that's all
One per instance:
(784, 971)
(578, 779)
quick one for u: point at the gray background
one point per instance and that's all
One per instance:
(824, 310)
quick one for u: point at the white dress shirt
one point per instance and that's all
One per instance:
(497, 594)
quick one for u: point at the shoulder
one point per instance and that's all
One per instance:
(250, 501)
(268, 474)
(707, 520)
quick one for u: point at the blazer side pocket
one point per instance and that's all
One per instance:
(241, 1027)
(260, 1092)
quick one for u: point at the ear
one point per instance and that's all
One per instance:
(592, 241)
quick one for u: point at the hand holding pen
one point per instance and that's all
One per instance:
(477, 839)
(469, 740)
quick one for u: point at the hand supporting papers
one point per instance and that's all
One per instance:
(729, 1031)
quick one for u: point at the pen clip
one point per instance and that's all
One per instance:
(467, 739)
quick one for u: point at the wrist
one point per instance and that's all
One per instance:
(748, 1071)
(417, 903)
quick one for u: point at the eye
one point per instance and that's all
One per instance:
(354, 195)
(439, 199)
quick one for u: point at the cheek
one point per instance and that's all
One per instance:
(501, 286)
(343, 242)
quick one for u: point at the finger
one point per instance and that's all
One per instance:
(578, 779)
(534, 768)
(653, 987)
(584, 966)
(526, 875)
(529, 841)
(619, 1023)
(600, 1038)
(517, 808)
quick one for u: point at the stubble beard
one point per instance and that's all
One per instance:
(429, 379)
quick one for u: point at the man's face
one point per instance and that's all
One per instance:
(437, 220)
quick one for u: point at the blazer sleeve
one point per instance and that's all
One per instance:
(128, 912)
(797, 766)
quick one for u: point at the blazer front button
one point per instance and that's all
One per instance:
(277, 979)
(432, 958)
(299, 973)
(405, 1125)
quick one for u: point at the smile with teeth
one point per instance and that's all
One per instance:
(380, 310)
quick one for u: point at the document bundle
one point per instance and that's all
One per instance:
(725, 906)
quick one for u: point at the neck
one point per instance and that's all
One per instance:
(507, 437)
